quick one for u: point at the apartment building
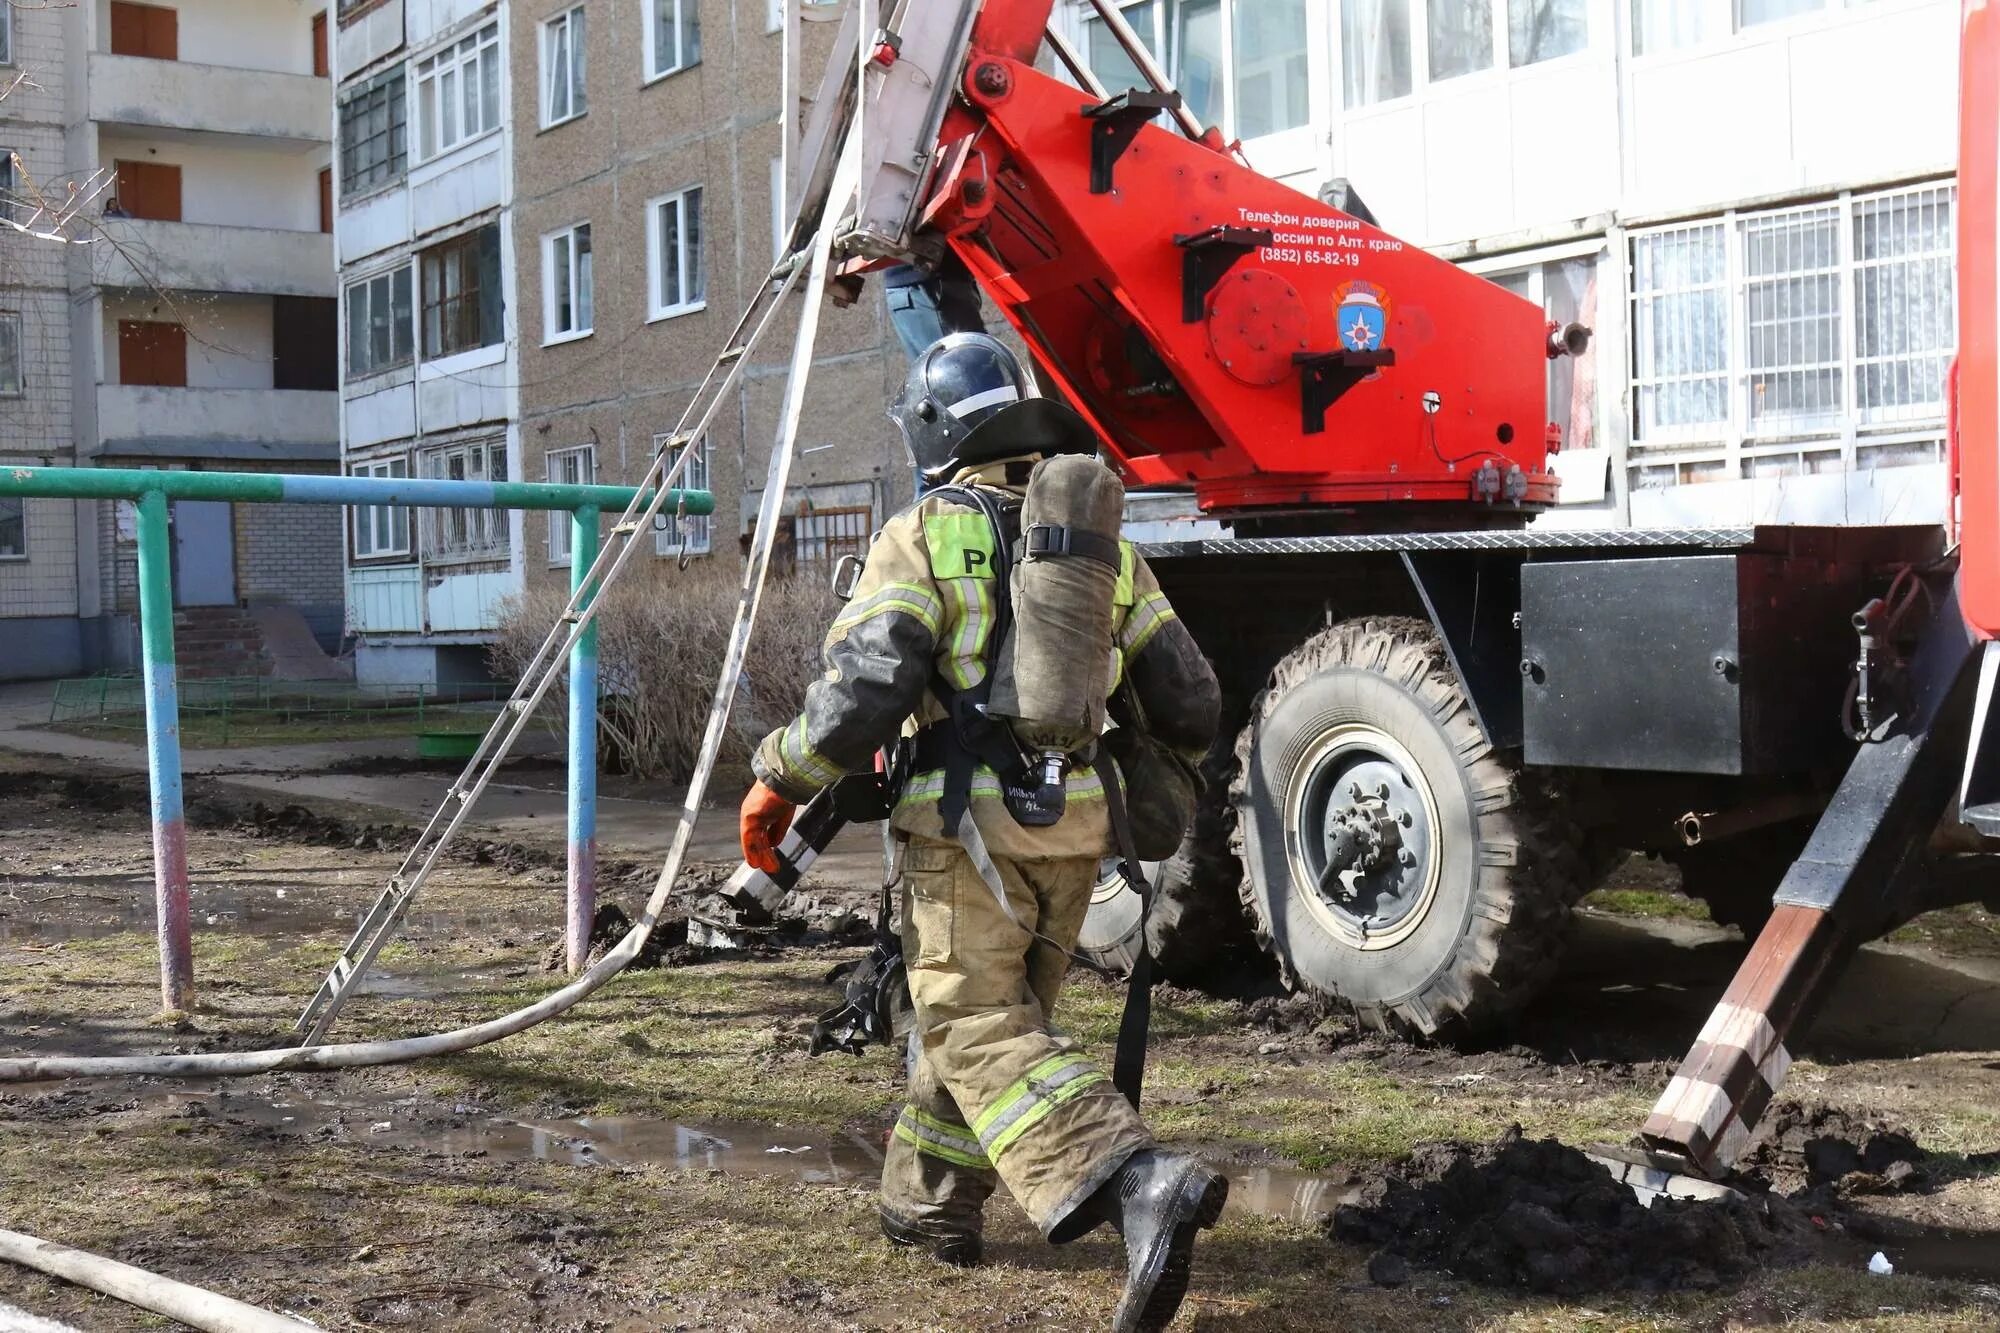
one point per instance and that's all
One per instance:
(430, 362)
(193, 327)
(1764, 252)
(39, 599)
(646, 167)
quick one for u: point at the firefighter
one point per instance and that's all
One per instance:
(991, 909)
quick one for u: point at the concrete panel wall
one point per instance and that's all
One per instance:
(201, 257)
(376, 223)
(130, 90)
(380, 414)
(249, 416)
(367, 38)
(459, 185)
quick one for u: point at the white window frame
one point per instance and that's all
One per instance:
(571, 467)
(366, 286)
(459, 533)
(582, 281)
(1282, 151)
(569, 28)
(649, 29)
(448, 72)
(368, 520)
(1722, 21)
(655, 272)
(19, 387)
(1740, 446)
(1421, 81)
(6, 34)
(693, 534)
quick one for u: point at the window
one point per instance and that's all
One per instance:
(1792, 319)
(462, 306)
(379, 323)
(458, 93)
(1680, 329)
(1461, 37)
(774, 15)
(1539, 30)
(566, 285)
(673, 35)
(1906, 326)
(569, 467)
(675, 279)
(684, 534)
(1107, 59)
(820, 537)
(373, 136)
(10, 189)
(1829, 321)
(466, 533)
(1567, 290)
(148, 31)
(381, 530)
(562, 68)
(1271, 67)
(1749, 12)
(1374, 50)
(1195, 58)
(1668, 25)
(13, 529)
(6, 34)
(10, 354)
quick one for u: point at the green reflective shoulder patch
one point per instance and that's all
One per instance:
(1122, 596)
(961, 545)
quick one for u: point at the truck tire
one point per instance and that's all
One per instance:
(1451, 914)
(1197, 930)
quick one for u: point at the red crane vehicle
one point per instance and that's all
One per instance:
(1447, 724)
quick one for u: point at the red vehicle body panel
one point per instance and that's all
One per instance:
(1976, 418)
(1094, 283)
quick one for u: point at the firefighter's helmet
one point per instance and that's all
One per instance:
(967, 400)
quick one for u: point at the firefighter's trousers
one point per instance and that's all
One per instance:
(994, 1094)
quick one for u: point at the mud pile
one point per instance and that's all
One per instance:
(1824, 1145)
(1537, 1215)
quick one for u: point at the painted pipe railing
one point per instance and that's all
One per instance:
(154, 491)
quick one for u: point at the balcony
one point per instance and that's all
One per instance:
(202, 257)
(219, 99)
(241, 424)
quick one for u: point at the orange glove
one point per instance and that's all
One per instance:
(765, 818)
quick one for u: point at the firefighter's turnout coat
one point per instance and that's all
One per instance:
(994, 1089)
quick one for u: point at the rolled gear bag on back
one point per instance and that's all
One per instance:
(1055, 666)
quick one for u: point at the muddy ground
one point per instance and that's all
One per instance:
(668, 1156)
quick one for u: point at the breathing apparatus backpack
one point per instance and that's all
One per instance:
(1039, 707)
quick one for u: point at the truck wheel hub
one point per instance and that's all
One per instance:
(1359, 828)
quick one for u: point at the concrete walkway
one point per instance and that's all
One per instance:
(523, 807)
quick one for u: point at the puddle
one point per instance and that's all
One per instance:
(1939, 1252)
(809, 1156)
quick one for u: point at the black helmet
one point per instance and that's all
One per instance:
(967, 401)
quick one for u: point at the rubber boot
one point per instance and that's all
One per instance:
(1159, 1201)
(945, 1242)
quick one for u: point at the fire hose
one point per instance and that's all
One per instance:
(355, 1055)
(192, 1306)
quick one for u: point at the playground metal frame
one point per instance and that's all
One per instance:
(153, 491)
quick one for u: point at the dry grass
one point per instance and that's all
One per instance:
(660, 636)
